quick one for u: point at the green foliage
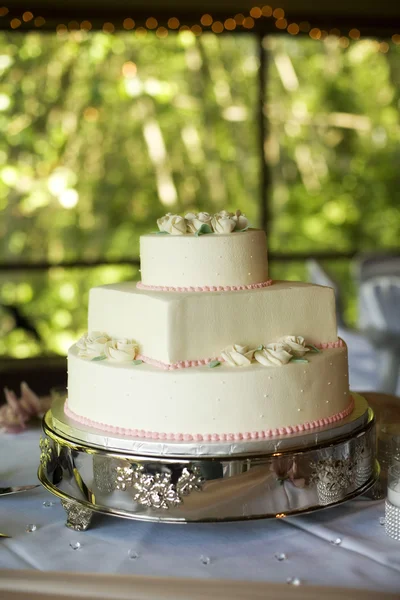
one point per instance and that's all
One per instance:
(102, 134)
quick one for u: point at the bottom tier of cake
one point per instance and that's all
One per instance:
(203, 403)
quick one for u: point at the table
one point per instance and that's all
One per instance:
(365, 559)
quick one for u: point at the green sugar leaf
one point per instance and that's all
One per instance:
(240, 230)
(204, 229)
(162, 233)
(313, 348)
(299, 360)
(137, 362)
(101, 357)
(259, 348)
(214, 363)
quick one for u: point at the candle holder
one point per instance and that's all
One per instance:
(392, 504)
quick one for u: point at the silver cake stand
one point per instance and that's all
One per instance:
(184, 482)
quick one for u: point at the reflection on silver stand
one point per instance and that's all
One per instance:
(180, 482)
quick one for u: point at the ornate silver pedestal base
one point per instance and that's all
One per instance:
(278, 477)
(78, 516)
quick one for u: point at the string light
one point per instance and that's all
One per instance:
(128, 23)
(86, 25)
(39, 21)
(206, 20)
(217, 27)
(108, 27)
(230, 24)
(315, 33)
(248, 23)
(281, 23)
(197, 30)
(173, 23)
(266, 11)
(293, 29)
(61, 29)
(239, 18)
(256, 12)
(278, 13)
(354, 34)
(162, 32)
(151, 23)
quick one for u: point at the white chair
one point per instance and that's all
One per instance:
(379, 315)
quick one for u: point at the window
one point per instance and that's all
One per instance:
(103, 133)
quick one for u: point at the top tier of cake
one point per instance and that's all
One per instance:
(228, 260)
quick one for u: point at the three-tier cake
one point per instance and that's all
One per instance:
(206, 347)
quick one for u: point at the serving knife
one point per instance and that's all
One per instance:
(17, 488)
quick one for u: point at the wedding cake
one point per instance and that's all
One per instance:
(206, 347)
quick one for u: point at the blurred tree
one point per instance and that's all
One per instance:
(101, 134)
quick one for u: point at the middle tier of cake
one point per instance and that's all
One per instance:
(209, 403)
(172, 327)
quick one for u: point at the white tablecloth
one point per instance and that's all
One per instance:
(366, 558)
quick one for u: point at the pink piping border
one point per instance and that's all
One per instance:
(184, 364)
(211, 437)
(206, 288)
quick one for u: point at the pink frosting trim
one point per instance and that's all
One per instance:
(206, 288)
(338, 344)
(211, 437)
(182, 364)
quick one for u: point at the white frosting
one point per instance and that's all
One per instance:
(202, 400)
(171, 327)
(233, 259)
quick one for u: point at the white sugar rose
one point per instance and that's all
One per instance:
(190, 216)
(121, 350)
(162, 222)
(223, 224)
(296, 345)
(237, 355)
(273, 355)
(240, 220)
(176, 225)
(203, 218)
(92, 344)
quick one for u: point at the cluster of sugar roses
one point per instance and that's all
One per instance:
(203, 222)
(97, 345)
(289, 348)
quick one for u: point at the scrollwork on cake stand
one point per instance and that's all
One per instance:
(78, 516)
(153, 490)
(332, 477)
(46, 451)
